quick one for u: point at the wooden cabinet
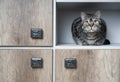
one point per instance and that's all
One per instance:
(15, 66)
(28, 24)
(92, 66)
(18, 17)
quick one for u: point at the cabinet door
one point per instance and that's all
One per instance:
(15, 66)
(18, 17)
(92, 66)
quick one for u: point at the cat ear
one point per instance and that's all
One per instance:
(83, 15)
(98, 14)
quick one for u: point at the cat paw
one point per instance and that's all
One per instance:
(98, 44)
(85, 44)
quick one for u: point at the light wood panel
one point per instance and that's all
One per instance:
(92, 66)
(15, 66)
(17, 17)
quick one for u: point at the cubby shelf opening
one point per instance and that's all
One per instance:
(67, 12)
(87, 1)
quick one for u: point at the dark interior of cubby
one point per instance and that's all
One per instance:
(67, 12)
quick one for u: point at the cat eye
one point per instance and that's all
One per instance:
(86, 22)
(95, 21)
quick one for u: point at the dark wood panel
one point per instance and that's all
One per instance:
(15, 66)
(92, 66)
(17, 17)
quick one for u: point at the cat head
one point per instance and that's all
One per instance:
(91, 22)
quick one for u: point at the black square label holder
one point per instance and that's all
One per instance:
(37, 63)
(70, 63)
(36, 33)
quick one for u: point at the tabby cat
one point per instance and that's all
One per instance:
(89, 29)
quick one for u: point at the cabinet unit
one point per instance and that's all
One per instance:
(27, 24)
(19, 17)
(15, 66)
(91, 65)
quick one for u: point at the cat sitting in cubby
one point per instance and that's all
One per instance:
(90, 29)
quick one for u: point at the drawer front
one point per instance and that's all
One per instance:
(91, 66)
(19, 17)
(16, 66)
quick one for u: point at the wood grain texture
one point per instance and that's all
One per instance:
(15, 66)
(17, 17)
(92, 66)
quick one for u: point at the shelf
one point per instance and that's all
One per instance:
(74, 46)
(87, 0)
(67, 12)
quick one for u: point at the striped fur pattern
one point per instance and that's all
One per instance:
(89, 29)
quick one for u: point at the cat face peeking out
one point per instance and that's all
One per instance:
(91, 22)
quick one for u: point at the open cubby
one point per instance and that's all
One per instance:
(87, 1)
(66, 12)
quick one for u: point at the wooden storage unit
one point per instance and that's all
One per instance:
(92, 65)
(18, 17)
(15, 66)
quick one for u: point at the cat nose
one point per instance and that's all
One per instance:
(91, 25)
